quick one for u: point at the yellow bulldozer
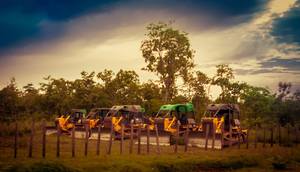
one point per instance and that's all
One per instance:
(222, 122)
(76, 117)
(118, 115)
(168, 118)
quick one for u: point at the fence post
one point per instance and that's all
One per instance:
(264, 144)
(272, 136)
(44, 129)
(131, 137)
(239, 140)
(58, 141)
(139, 140)
(213, 136)
(157, 139)
(148, 139)
(297, 134)
(222, 135)
(255, 141)
(31, 139)
(177, 138)
(186, 139)
(73, 141)
(98, 140)
(122, 139)
(16, 139)
(206, 135)
(230, 130)
(279, 134)
(248, 133)
(86, 143)
(110, 139)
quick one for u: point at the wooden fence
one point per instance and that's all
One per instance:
(266, 136)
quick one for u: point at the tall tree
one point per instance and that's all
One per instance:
(9, 100)
(168, 53)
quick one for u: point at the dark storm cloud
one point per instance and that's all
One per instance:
(274, 65)
(21, 21)
(286, 29)
(292, 64)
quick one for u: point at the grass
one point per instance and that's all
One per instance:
(259, 159)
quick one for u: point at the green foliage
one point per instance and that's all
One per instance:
(41, 166)
(168, 53)
(279, 163)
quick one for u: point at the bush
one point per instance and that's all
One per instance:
(194, 165)
(279, 163)
(41, 166)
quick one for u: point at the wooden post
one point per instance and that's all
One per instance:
(213, 136)
(248, 133)
(122, 139)
(110, 139)
(264, 144)
(230, 130)
(86, 143)
(16, 139)
(255, 141)
(58, 142)
(206, 135)
(279, 134)
(139, 140)
(148, 139)
(186, 139)
(177, 138)
(98, 140)
(222, 135)
(31, 139)
(157, 140)
(239, 140)
(288, 133)
(131, 138)
(272, 136)
(44, 129)
(297, 134)
(73, 141)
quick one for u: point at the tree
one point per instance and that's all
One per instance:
(9, 100)
(31, 99)
(223, 79)
(122, 88)
(196, 92)
(168, 53)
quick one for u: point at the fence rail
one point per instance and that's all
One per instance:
(265, 137)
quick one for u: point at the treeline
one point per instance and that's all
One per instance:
(105, 89)
(167, 53)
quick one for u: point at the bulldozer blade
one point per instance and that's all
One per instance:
(163, 137)
(51, 130)
(93, 134)
(198, 139)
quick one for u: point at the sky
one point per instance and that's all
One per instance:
(259, 39)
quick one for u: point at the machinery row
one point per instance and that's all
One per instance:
(172, 121)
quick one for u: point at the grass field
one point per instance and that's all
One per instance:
(260, 159)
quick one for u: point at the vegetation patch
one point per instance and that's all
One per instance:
(41, 166)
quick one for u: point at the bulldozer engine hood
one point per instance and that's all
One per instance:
(217, 107)
(129, 108)
(78, 111)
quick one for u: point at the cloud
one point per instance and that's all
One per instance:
(285, 29)
(22, 22)
(274, 65)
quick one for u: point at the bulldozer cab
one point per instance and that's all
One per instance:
(229, 113)
(171, 114)
(124, 114)
(98, 113)
(77, 116)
